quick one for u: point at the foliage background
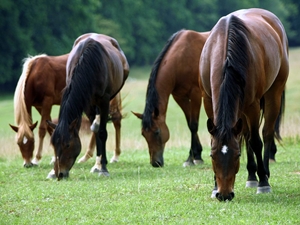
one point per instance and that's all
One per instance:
(141, 26)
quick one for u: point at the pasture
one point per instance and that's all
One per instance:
(136, 193)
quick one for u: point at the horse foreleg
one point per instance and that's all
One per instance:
(101, 138)
(90, 150)
(43, 128)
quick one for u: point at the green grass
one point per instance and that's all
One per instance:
(136, 193)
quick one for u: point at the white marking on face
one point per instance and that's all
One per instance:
(224, 149)
(25, 140)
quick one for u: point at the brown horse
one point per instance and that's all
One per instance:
(96, 71)
(40, 85)
(243, 69)
(175, 72)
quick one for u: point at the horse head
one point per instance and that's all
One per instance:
(156, 135)
(25, 141)
(66, 148)
(225, 155)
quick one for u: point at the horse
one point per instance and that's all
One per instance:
(175, 71)
(243, 71)
(96, 71)
(40, 85)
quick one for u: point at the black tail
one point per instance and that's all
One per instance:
(280, 117)
(234, 75)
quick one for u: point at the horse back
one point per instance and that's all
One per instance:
(268, 47)
(180, 65)
(47, 78)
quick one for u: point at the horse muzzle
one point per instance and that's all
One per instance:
(62, 175)
(157, 162)
(225, 197)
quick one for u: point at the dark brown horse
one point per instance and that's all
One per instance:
(40, 85)
(176, 72)
(96, 71)
(243, 69)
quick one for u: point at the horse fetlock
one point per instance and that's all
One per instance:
(84, 158)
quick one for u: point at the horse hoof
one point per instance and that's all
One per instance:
(187, 164)
(103, 174)
(264, 189)
(114, 159)
(51, 175)
(198, 161)
(251, 184)
(35, 162)
(272, 161)
(95, 170)
(214, 193)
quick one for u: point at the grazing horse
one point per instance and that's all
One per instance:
(40, 85)
(96, 71)
(176, 72)
(243, 69)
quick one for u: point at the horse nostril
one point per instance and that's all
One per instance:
(157, 164)
(229, 197)
(219, 197)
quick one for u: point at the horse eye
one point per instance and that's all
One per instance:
(157, 132)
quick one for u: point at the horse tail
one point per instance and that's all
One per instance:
(234, 74)
(280, 117)
(20, 110)
(152, 96)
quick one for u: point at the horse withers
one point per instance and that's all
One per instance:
(243, 69)
(96, 71)
(175, 72)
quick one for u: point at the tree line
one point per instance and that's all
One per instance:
(31, 27)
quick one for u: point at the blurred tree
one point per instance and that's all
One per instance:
(142, 27)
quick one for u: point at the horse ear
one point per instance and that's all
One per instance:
(14, 128)
(237, 129)
(50, 124)
(210, 126)
(33, 126)
(138, 115)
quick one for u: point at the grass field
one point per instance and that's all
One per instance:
(136, 193)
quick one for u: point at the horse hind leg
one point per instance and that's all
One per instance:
(255, 144)
(191, 108)
(116, 118)
(89, 153)
(43, 128)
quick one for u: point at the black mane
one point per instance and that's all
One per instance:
(234, 76)
(81, 85)
(152, 96)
